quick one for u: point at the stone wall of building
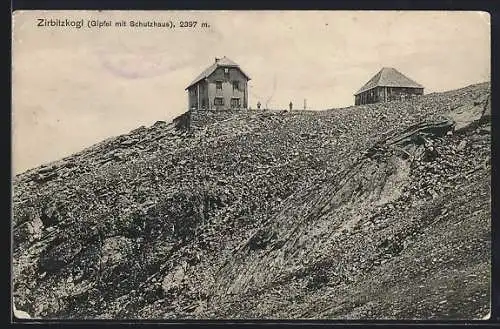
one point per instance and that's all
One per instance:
(199, 119)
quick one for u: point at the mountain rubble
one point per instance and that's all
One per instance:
(377, 211)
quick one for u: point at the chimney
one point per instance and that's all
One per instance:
(217, 59)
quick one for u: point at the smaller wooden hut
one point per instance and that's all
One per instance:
(387, 85)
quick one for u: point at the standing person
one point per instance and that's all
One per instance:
(258, 105)
(290, 105)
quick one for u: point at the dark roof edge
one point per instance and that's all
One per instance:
(194, 83)
(362, 91)
(201, 79)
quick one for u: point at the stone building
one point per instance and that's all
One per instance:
(221, 86)
(387, 85)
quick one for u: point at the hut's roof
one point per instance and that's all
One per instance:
(389, 77)
(219, 62)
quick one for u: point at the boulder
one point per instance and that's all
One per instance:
(29, 231)
(175, 279)
(115, 250)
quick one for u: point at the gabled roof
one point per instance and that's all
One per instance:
(389, 77)
(219, 62)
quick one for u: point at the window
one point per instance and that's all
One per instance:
(219, 101)
(235, 102)
(226, 73)
(218, 85)
(236, 86)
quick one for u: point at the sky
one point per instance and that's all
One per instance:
(73, 87)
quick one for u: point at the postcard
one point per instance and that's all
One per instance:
(256, 165)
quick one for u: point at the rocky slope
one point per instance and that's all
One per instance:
(377, 211)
